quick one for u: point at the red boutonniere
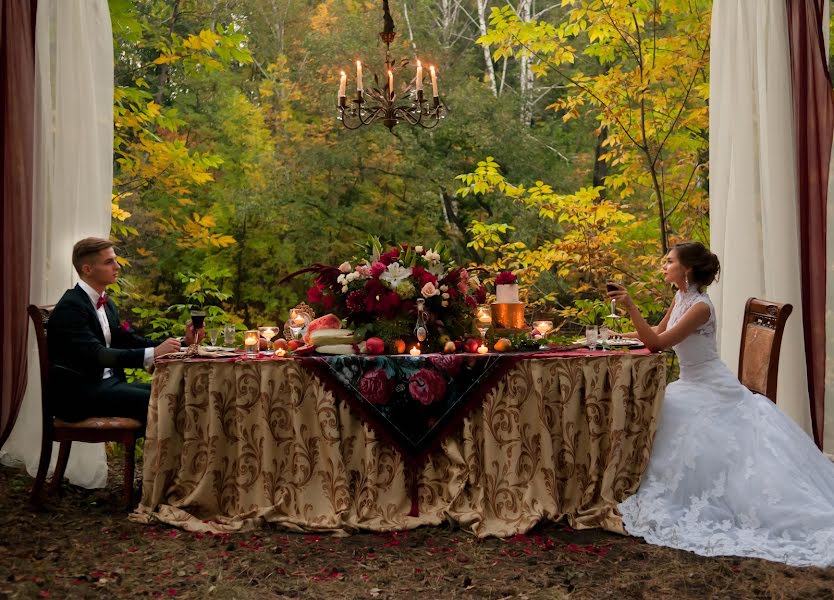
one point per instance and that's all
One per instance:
(125, 326)
(505, 277)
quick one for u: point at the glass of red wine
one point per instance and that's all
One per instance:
(198, 319)
(613, 286)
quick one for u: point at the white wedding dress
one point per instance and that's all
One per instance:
(730, 474)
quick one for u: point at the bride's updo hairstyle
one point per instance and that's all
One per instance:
(704, 264)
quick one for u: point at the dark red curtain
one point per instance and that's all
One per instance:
(814, 122)
(17, 104)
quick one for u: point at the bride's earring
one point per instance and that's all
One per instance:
(686, 280)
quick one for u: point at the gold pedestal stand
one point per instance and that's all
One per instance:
(508, 316)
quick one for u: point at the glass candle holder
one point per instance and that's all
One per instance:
(543, 327)
(251, 342)
(268, 333)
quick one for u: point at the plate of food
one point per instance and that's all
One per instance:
(614, 342)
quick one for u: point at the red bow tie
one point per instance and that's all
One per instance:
(102, 300)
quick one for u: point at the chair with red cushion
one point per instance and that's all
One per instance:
(95, 429)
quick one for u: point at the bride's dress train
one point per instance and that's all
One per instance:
(730, 474)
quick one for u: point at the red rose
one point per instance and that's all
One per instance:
(125, 325)
(470, 301)
(447, 363)
(427, 386)
(375, 386)
(327, 301)
(388, 257)
(390, 303)
(377, 269)
(314, 295)
(505, 277)
(420, 274)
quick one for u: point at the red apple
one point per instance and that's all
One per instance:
(280, 344)
(471, 345)
(374, 345)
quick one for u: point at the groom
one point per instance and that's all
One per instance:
(88, 349)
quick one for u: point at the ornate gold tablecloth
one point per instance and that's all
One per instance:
(231, 445)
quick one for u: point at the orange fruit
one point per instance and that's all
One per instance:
(503, 345)
(399, 346)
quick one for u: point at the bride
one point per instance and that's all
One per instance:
(729, 474)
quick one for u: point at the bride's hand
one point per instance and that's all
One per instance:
(621, 296)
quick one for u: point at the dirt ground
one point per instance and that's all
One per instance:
(83, 546)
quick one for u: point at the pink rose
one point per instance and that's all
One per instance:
(429, 290)
(378, 269)
(427, 386)
(375, 386)
(364, 270)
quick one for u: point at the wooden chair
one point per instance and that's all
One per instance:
(761, 340)
(95, 429)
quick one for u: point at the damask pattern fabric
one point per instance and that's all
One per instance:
(730, 473)
(231, 445)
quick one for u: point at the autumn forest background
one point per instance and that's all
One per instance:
(575, 148)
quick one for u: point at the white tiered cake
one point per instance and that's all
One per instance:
(506, 293)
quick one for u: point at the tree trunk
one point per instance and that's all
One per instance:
(526, 75)
(453, 218)
(162, 81)
(600, 166)
(482, 26)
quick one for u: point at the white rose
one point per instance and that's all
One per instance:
(444, 303)
(345, 267)
(344, 289)
(429, 290)
(418, 249)
(444, 288)
(445, 296)
(342, 279)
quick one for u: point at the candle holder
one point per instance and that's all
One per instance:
(251, 342)
(269, 333)
(300, 316)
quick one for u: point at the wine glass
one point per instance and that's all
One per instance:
(604, 332)
(543, 327)
(483, 317)
(613, 286)
(229, 335)
(213, 334)
(591, 337)
(268, 333)
(297, 322)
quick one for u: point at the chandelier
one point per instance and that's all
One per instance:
(381, 103)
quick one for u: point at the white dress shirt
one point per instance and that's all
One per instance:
(105, 326)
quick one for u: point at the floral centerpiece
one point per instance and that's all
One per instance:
(376, 293)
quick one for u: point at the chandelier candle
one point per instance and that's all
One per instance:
(419, 81)
(359, 86)
(434, 84)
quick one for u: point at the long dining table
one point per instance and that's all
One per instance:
(490, 443)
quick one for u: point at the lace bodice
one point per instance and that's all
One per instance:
(700, 347)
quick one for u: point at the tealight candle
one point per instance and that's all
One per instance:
(280, 352)
(298, 320)
(250, 342)
(415, 351)
(482, 349)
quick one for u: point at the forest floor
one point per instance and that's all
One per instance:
(83, 546)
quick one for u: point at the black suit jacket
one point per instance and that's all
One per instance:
(78, 353)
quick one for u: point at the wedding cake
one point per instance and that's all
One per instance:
(507, 310)
(506, 293)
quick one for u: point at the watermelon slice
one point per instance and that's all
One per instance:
(329, 321)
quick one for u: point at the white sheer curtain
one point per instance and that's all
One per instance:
(72, 189)
(754, 220)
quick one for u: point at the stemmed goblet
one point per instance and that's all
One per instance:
(269, 333)
(297, 322)
(484, 320)
(613, 286)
